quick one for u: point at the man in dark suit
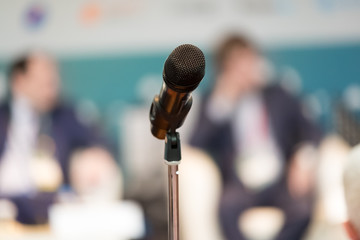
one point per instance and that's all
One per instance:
(261, 140)
(35, 124)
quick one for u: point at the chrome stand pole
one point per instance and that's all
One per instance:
(173, 202)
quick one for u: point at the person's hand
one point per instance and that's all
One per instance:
(94, 174)
(8, 210)
(301, 173)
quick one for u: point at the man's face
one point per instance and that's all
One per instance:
(39, 84)
(243, 67)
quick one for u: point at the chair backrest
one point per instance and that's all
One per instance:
(200, 189)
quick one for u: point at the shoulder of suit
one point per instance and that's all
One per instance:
(63, 109)
(69, 112)
(279, 91)
(4, 108)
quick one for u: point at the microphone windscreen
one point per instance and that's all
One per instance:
(184, 68)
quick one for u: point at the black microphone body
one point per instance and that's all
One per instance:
(183, 71)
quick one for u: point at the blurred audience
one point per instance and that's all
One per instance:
(352, 190)
(261, 140)
(38, 135)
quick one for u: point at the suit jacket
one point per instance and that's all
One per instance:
(290, 128)
(68, 134)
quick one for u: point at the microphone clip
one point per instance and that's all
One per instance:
(172, 153)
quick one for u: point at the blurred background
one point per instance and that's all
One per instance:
(110, 57)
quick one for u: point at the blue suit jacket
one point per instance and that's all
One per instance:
(69, 135)
(287, 120)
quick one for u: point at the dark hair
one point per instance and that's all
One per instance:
(18, 66)
(229, 44)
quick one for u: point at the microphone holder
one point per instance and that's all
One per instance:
(172, 158)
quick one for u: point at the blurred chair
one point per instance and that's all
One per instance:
(200, 189)
(333, 153)
(330, 209)
(351, 183)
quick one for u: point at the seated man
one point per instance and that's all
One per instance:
(38, 135)
(352, 190)
(261, 140)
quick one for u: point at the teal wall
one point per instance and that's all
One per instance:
(110, 79)
(331, 67)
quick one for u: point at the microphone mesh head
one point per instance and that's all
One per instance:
(184, 68)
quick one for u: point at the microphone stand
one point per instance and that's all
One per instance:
(172, 159)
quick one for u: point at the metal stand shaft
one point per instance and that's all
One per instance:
(172, 159)
(173, 188)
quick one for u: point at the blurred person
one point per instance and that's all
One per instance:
(352, 190)
(94, 176)
(347, 115)
(261, 140)
(38, 135)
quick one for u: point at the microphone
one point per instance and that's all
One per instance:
(183, 71)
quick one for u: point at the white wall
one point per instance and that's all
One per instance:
(144, 25)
